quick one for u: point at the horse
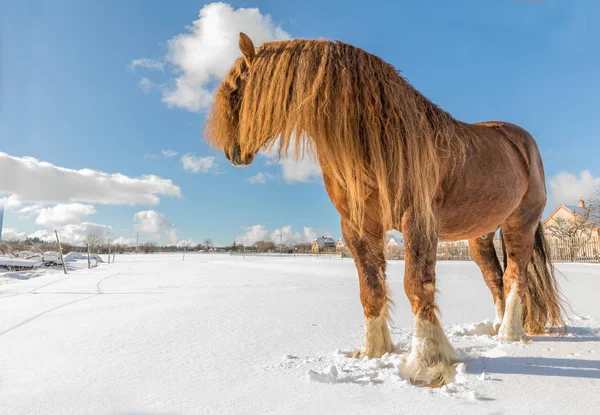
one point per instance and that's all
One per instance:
(391, 159)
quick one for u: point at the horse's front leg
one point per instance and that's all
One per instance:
(432, 358)
(369, 258)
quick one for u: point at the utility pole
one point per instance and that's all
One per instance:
(137, 244)
(280, 241)
(185, 249)
(59, 251)
(109, 250)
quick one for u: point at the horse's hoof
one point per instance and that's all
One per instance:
(361, 354)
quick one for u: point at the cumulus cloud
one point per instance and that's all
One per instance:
(74, 234)
(30, 210)
(150, 222)
(172, 236)
(29, 180)
(201, 57)
(195, 164)
(252, 234)
(305, 170)
(568, 188)
(285, 234)
(61, 215)
(10, 234)
(122, 240)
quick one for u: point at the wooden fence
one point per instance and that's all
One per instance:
(574, 250)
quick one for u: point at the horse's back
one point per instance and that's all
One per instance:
(503, 170)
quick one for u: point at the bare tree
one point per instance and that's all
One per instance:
(148, 247)
(93, 240)
(207, 243)
(576, 231)
(264, 246)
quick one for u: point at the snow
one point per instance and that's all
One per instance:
(73, 256)
(19, 262)
(221, 334)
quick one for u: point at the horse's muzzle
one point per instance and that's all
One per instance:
(235, 157)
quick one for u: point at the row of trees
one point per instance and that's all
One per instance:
(270, 246)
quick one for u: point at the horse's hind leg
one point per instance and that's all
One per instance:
(519, 238)
(369, 258)
(484, 254)
(432, 358)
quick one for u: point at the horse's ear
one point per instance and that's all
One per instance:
(247, 48)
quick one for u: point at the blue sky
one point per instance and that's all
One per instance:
(69, 97)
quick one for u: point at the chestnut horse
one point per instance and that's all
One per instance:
(391, 159)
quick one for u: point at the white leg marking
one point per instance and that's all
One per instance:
(499, 306)
(377, 336)
(512, 328)
(432, 358)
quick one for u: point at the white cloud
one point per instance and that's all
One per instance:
(150, 156)
(172, 236)
(190, 243)
(10, 201)
(46, 236)
(10, 234)
(284, 234)
(150, 221)
(305, 170)
(309, 234)
(31, 210)
(61, 215)
(146, 63)
(197, 164)
(148, 86)
(169, 153)
(122, 240)
(75, 234)
(202, 56)
(29, 180)
(252, 234)
(261, 178)
(567, 188)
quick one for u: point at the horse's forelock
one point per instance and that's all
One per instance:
(221, 128)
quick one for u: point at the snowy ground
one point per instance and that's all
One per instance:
(220, 334)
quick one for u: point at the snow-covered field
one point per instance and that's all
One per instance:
(221, 334)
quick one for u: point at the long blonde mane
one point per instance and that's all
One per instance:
(369, 128)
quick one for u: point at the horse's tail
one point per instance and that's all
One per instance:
(543, 304)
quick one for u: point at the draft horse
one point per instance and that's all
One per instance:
(391, 159)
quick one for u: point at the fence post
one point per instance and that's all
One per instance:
(60, 252)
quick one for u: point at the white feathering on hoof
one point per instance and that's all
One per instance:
(512, 327)
(432, 359)
(377, 337)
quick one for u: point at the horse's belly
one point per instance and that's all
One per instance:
(466, 218)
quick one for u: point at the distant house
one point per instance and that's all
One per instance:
(323, 244)
(340, 245)
(568, 213)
